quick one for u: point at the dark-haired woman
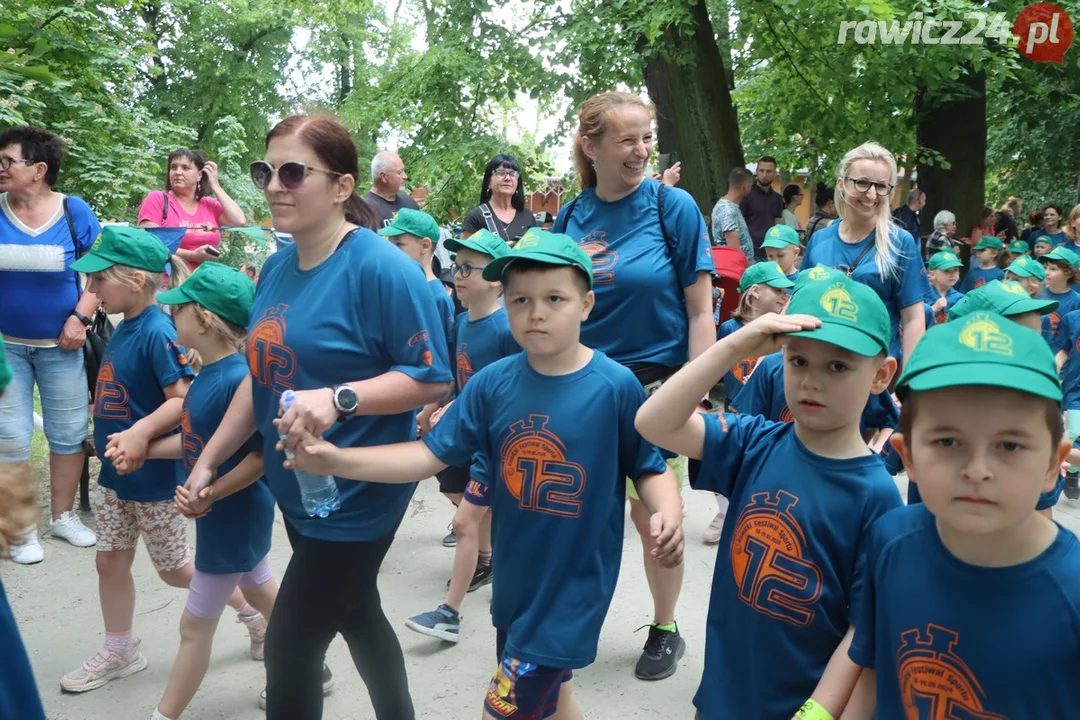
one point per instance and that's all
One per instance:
(344, 319)
(184, 203)
(793, 197)
(502, 202)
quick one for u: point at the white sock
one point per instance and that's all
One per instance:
(159, 716)
(721, 504)
(247, 611)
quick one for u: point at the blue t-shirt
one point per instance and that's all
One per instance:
(38, 289)
(640, 312)
(564, 446)
(141, 360)
(444, 305)
(786, 571)
(236, 535)
(19, 696)
(949, 639)
(1068, 340)
(977, 276)
(1068, 301)
(365, 311)
(480, 343)
(736, 376)
(951, 298)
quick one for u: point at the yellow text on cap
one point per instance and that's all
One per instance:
(982, 334)
(819, 273)
(837, 302)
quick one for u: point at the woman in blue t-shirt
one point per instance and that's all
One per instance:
(652, 270)
(868, 246)
(344, 319)
(44, 313)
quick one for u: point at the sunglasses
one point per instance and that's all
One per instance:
(291, 174)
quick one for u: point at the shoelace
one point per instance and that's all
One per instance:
(654, 645)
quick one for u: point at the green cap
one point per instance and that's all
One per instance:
(544, 247)
(221, 289)
(1042, 239)
(413, 222)
(982, 349)
(944, 260)
(1025, 266)
(1018, 247)
(481, 241)
(990, 241)
(780, 237)
(764, 272)
(1064, 254)
(1001, 298)
(5, 369)
(124, 245)
(851, 313)
(816, 274)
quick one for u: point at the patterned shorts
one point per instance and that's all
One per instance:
(163, 529)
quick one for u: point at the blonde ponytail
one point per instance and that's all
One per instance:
(886, 233)
(179, 271)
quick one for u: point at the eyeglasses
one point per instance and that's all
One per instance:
(464, 270)
(504, 173)
(863, 185)
(6, 161)
(291, 174)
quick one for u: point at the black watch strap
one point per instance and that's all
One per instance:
(81, 318)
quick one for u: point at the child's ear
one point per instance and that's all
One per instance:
(1056, 461)
(590, 300)
(884, 375)
(899, 444)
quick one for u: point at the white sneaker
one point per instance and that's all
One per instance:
(70, 527)
(27, 550)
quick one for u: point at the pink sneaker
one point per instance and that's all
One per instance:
(256, 627)
(711, 536)
(103, 667)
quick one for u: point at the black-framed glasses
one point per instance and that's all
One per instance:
(507, 173)
(291, 174)
(6, 161)
(863, 185)
(465, 269)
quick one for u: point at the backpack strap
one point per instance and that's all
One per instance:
(164, 207)
(74, 240)
(668, 240)
(566, 217)
(489, 221)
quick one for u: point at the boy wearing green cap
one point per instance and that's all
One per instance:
(1068, 362)
(1028, 272)
(1017, 249)
(970, 602)
(782, 246)
(1042, 246)
(944, 270)
(1062, 267)
(1008, 299)
(557, 423)
(140, 391)
(483, 337)
(786, 568)
(987, 257)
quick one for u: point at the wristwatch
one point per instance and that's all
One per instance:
(345, 402)
(81, 318)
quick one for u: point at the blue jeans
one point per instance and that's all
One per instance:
(60, 376)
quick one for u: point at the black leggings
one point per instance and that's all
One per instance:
(330, 588)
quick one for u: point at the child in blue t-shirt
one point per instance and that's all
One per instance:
(783, 247)
(19, 696)
(139, 396)
(1062, 268)
(1066, 347)
(557, 423)
(786, 573)
(211, 310)
(483, 337)
(987, 257)
(1028, 272)
(970, 603)
(944, 270)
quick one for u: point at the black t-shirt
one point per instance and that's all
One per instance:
(386, 209)
(509, 232)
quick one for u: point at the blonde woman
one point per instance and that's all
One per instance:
(1072, 230)
(651, 268)
(868, 246)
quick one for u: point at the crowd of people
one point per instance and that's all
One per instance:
(544, 377)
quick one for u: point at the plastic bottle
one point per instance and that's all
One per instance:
(319, 493)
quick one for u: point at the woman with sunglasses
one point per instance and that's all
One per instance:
(502, 203)
(184, 203)
(344, 319)
(869, 247)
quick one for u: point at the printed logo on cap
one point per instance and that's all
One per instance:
(528, 240)
(837, 302)
(819, 273)
(982, 334)
(949, 257)
(775, 232)
(1014, 287)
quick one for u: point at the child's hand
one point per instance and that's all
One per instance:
(437, 415)
(129, 447)
(191, 505)
(311, 454)
(766, 335)
(939, 305)
(668, 534)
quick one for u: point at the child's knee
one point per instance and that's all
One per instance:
(179, 578)
(193, 627)
(466, 524)
(114, 563)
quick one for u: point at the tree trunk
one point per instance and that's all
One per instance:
(698, 119)
(956, 128)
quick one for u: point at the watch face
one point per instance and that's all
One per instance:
(346, 399)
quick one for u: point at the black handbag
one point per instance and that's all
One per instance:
(100, 329)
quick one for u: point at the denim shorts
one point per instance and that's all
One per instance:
(60, 376)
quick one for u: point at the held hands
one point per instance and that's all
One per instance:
(310, 454)
(194, 505)
(72, 335)
(766, 335)
(127, 451)
(312, 412)
(437, 415)
(668, 535)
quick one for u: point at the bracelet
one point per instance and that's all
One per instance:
(811, 710)
(81, 318)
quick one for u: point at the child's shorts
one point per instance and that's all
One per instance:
(209, 592)
(522, 690)
(477, 493)
(452, 480)
(1050, 499)
(163, 529)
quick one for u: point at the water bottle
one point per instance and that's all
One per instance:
(319, 493)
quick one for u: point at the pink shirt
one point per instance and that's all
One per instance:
(206, 215)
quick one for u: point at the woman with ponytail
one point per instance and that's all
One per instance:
(869, 247)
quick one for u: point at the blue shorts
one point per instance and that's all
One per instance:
(478, 494)
(60, 376)
(1050, 499)
(522, 690)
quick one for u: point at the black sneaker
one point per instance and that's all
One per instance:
(481, 576)
(661, 655)
(1072, 485)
